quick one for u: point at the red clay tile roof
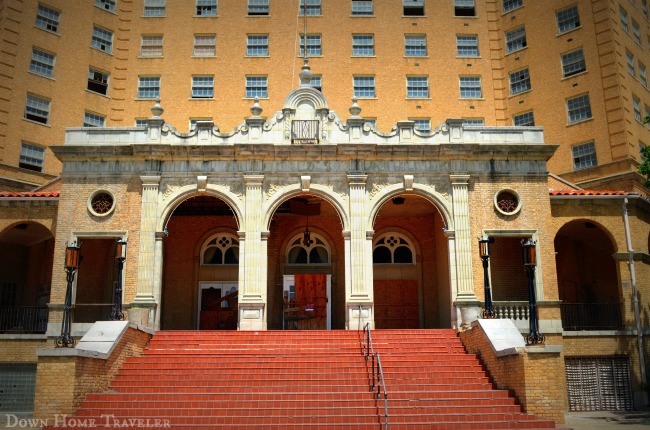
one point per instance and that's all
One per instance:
(589, 193)
(30, 194)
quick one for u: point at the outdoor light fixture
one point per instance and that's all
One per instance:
(484, 253)
(120, 256)
(530, 261)
(71, 265)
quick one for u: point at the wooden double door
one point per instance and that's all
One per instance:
(306, 299)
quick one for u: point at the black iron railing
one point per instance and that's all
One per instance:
(377, 383)
(591, 316)
(304, 132)
(23, 319)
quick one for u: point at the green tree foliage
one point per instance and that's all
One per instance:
(644, 167)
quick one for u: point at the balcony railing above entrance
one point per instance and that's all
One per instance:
(23, 319)
(304, 132)
(591, 316)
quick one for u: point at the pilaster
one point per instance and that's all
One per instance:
(146, 258)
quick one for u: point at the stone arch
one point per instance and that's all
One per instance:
(8, 227)
(305, 95)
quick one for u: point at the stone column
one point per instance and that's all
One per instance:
(145, 292)
(158, 278)
(465, 299)
(252, 295)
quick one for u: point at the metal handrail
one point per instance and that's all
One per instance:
(377, 383)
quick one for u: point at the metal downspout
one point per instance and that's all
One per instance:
(635, 299)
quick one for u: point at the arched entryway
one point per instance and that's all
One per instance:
(587, 276)
(200, 266)
(410, 265)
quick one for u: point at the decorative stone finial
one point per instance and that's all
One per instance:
(355, 109)
(256, 109)
(305, 74)
(157, 110)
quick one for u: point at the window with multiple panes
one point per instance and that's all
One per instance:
(467, 45)
(108, 5)
(630, 63)
(206, 7)
(516, 39)
(636, 105)
(257, 86)
(316, 82)
(567, 19)
(464, 8)
(202, 87)
(422, 125)
(151, 46)
(573, 63)
(417, 87)
(47, 18)
(37, 109)
(644, 7)
(94, 120)
(362, 8)
(643, 75)
(519, 81)
(257, 45)
(102, 39)
(97, 81)
(584, 155)
(413, 7)
(636, 32)
(474, 121)
(141, 122)
(364, 86)
(31, 157)
(42, 63)
(258, 7)
(313, 7)
(415, 45)
(363, 45)
(154, 7)
(314, 45)
(470, 87)
(624, 23)
(578, 108)
(524, 119)
(509, 5)
(647, 115)
(205, 45)
(148, 87)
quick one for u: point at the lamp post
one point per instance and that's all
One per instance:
(484, 252)
(120, 256)
(71, 266)
(530, 261)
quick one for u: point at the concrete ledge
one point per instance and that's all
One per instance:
(99, 342)
(18, 336)
(503, 336)
(544, 349)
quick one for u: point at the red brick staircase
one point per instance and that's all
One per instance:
(303, 379)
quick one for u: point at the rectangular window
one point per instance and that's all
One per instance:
(422, 125)
(515, 39)
(647, 115)
(94, 120)
(464, 8)
(31, 157)
(154, 7)
(37, 109)
(525, 119)
(202, 87)
(362, 8)
(206, 7)
(636, 105)
(417, 87)
(567, 19)
(644, 6)
(42, 63)
(584, 155)
(257, 86)
(258, 7)
(102, 39)
(509, 5)
(624, 23)
(205, 45)
(151, 46)
(363, 45)
(97, 81)
(313, 7)
(630, 63)
(317, 82)
(636, 32)
(413, 7)
(643, 75)
(573, 63)
(470, 87)
(257, 45)
(47, 18)
(474, 121)
(364, 86)
(578, 108)
(467, 45)
(140, 122)
(108, 5)
(415, 46)
(519, 81)
(148, 87)
(314, 46)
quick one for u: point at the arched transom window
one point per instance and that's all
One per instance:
(222, 248)
(313, 251)
(393, 248)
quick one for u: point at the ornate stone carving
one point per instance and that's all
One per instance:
(171, 185)
(441, 186)
(376, 188)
